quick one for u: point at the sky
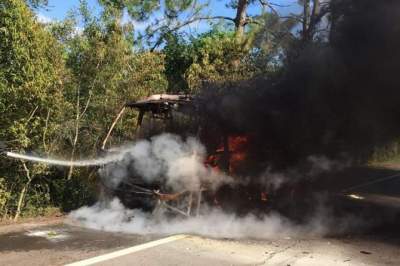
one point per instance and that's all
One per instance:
(58, 9)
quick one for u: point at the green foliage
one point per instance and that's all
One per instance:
(218, 56)
(5, 196)
(178, 58)
(389, 153)
(106, 73)
(142, 9)
(30, 75)
(71, 194)
(215, 56)
(138, 9)
(37, 3)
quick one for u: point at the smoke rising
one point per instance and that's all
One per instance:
(180, 164)
(338, 97)
(114, 217)
(165, 158)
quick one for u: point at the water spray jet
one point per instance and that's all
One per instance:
(80, 163)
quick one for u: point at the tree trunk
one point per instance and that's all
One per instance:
(310, 19)
(315, 11)
(240, 19)
(23, 192)
(76, 136)
(78, 118)
(332, 28)
(103, 145)
(314, 19)
(240, 23)
(21, 201)
(306, 19)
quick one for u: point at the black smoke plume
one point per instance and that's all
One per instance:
(339, 98)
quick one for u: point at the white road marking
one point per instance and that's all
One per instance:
(126, 251)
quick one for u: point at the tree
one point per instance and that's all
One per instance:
(106, 72)
(178, 58)
(215, 56)
(37, 3)
(214, 59)
(181, 13)
(31, 97)
(313, 12)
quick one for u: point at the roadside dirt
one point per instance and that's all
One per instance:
(9, 226)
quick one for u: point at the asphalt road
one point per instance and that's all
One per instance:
(59, 243)
(63, 244)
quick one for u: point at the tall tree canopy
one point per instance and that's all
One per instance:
(31, 98)
(172, 15)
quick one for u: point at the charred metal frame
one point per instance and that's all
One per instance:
(161, 106)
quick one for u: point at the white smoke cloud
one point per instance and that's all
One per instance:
(322, 164)
(167, 157)
(114, 217)
(214, 222)
(273, 180)
(315, 166)
(180, 165)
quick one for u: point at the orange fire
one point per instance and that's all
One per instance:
(237, 152)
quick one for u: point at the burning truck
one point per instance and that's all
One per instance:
(242, 155)
(227, 155)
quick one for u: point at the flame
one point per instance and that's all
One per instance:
(237, 150)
